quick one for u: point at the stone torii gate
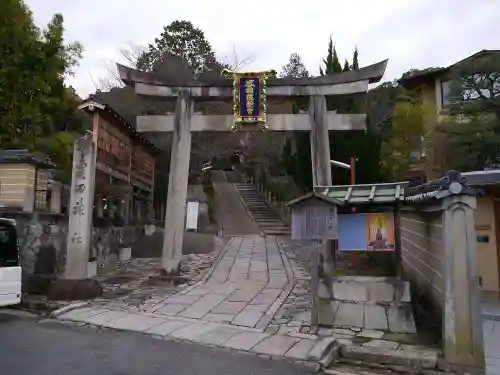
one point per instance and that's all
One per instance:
(175, 81)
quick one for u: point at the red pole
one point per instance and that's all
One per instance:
(352, 163)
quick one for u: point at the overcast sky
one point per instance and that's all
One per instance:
(411, 33)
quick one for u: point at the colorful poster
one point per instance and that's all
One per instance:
(366, 232)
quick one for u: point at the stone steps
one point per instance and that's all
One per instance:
(266, 218)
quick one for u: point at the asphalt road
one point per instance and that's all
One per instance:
(28, 347)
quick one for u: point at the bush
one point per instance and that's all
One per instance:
(282, 188)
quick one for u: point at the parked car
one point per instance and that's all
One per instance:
(10, 268)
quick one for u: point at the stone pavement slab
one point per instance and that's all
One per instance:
(275, 345)
(217, 336)
(191, 332)
(82, 313)
(300, 349)
(105, 317)
(245, 340)
(134, 322)
(167, 327)
(171, 309)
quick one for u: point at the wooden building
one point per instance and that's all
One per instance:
(21, 175)
(125, 168)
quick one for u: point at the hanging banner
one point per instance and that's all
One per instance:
(249, 99)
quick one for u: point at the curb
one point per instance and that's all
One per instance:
(67, 308)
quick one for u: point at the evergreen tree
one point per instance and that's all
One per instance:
(33, 98)
(182, 39)
(332, 63)
(346, 66)
(295, 67)
(355, 62)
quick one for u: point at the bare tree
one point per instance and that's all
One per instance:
(129, 56)
(236, 61)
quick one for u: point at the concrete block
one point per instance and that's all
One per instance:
(321, 349)
(275, 345)
(401, 319)
(376, 317)
(245, 340)
(381, 292)
(350, 292)
(91, 269)
(125, 254)
(343, 331)
(350, 314)
(371, 334)
(403, 292)
(385, 356)
(381, 344)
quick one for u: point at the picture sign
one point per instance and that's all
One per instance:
(366, 232)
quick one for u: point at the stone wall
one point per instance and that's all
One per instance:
(43, 239)
(439, 255)
(422, 262)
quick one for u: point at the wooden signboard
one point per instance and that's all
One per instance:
(314, 219)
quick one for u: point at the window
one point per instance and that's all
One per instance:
(474, 83)
(9, 255)
(445, 93)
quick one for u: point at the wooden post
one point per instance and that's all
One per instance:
(322, 176)
(177, 185)
(315, 284)
(352, 170)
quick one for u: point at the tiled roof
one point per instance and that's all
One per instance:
(24, 156)
(482, 178)
(385, 193)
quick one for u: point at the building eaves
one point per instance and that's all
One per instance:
(91, 105)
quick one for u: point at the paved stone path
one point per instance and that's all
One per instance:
(246, 288)
(255, 298)
(230, 307)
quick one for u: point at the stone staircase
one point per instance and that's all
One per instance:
(264, 216)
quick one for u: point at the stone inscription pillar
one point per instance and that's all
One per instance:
(80, 208)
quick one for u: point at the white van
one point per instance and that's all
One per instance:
(10, 269)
